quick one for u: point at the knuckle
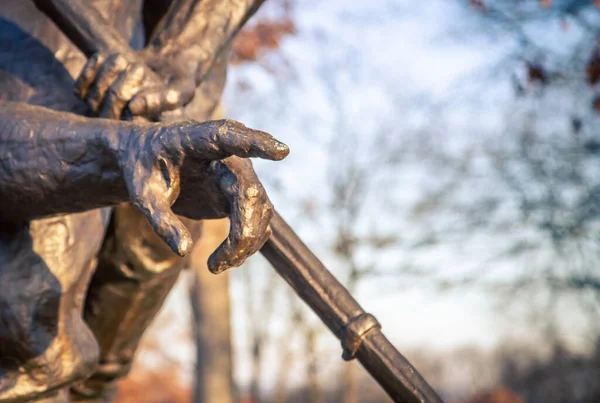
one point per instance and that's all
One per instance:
(253, 191)
(120, 60)
(152, 101)
(250, 238)
(113, 64)
(234, 125)
(172, 97)
(224, 125)
(232, 133)
(102, 56)
(216, 132)
(124, 89)
(136, 72)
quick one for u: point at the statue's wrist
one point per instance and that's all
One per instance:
(115, 143)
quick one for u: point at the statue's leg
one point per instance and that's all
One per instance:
(136, 269)
(135, 273)
(44, 271)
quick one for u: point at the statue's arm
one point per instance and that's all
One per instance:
(189, 41)
(196, 32)
(56, 162)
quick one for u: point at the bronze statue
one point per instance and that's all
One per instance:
(63, 171)
(88, 202)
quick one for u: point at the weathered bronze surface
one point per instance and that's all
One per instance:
(87, 202)
(65, 166)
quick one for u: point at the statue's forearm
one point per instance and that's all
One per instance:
(56, 162)
(201, 29)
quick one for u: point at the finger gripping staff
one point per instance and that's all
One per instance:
(88, 30)
(359, 332)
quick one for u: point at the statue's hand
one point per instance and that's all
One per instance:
(112, 85)
(177, 168)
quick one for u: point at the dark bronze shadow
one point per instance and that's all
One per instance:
(29, 301)
(30, 72)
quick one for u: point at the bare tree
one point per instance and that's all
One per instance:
(209, 298)
(530, 188)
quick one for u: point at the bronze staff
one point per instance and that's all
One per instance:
(359, 332)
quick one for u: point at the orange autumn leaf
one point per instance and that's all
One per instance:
(252, 41)
(596, 104)
(593, 65)
(500, 395)
(478, 5)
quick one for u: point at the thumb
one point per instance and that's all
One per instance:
(166, 225)
(152, 197)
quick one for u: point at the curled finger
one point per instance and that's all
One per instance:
(152, 192)
(156, 100)
(114, 65)
(88, 74)
(167, 226)
(251, 212)
(122, 91)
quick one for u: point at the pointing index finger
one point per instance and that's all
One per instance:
(236, 139)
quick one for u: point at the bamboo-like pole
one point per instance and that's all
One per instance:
(330, 300)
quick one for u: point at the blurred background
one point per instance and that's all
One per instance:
(445, 166)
